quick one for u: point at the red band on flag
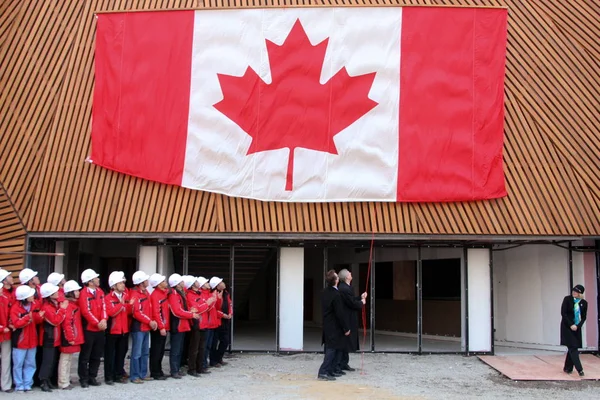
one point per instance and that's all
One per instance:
(147, 53)
(451, 109)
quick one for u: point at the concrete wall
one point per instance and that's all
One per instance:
(529, 284)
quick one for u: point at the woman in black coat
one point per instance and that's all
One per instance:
(574, 313)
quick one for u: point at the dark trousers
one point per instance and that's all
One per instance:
(572, 359)
(38, 363)
(186, 346)
(209, 337)
(157, 352)
(92, 351)
(344, 360)
(176, 350)
(48, 367)
(196, 351)
(330, 362)
(220, 343)
(114, 356)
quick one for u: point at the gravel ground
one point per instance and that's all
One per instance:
(385, 376)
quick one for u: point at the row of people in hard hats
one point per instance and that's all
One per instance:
(60, 318)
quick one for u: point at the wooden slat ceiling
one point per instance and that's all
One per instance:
(551, 147)
(12, 234)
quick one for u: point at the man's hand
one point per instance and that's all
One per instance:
(131, 301)
(573, 328)
(153, 325)
(41, 314)
(102, 325)
(195, 316)
(163, 332)
(363, 296)
(194, 310)
(72, 343)
(226, 316)
(347, 333)
(6, 330)
(64, 304)
(210, 300)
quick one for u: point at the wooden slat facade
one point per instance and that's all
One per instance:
(552, 140)
(12, 234)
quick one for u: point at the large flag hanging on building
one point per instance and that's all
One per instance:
(305, 104)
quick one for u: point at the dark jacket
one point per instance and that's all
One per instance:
(334, 321)
(352, 306)
(568, 337)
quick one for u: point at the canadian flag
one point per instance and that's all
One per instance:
(305, 104)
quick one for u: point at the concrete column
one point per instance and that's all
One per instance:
(480, 301)
(165, 264)
(148, 259)
(60, 261)
(291, 298)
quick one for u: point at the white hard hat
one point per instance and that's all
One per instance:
(189, 281)
(48, 289)
(3, 274)
(55, 278)
(139, 277)
(202, 280)
(175, 280)
(23, 292)
(26, 275)
(116, 277)
(88, 275)
(71, 286)
(214, 281)
(155, 279)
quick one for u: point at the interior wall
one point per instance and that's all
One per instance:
(529, 284)
(313, 271)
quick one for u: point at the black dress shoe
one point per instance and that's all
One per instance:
(325, 378)
(335, 375)
(160, 378)
(94, 382)
(175, 376)
(348, 368)
(567, 371)
(84, 385)
(340, 372)
(109, 383)
(581, 373)
(45, 386)
(194, 374)
(52, 385)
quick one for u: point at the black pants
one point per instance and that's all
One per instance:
(92, 351)
(38, 364)
(330, 362)
(344, 360)
(48, 367)
(220, 343)
(196, 351)
(572, 359)
(157, 352)
(114, 356)
(186, 345)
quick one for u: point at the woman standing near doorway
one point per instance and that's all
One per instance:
(574, 313)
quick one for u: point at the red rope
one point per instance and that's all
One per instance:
(364, 310)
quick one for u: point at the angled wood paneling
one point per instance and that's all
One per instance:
(551, 147)
(12, 234)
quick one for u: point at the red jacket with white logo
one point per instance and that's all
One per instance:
(141, 311)
(180, 316)
(194, 300)
(72, 329)
(54, 316)
(5, 303)
(119, 313)
(160, 308)
(225, 306)
(209, 318)
(93, 309)
(25, 335)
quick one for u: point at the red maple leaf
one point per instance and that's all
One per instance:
(295, 110)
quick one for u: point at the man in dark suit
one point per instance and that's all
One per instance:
(574, 313)
(352, 305)
(335, 327)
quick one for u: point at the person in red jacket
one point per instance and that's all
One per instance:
(119, 311)
(181, 316)
(72, 334)
(141, 325)
(54, 315)
(5, 330)
(93, 311)
(24, 316)
(221, 339)
(160, 313)
(209, 322)
(58, 280)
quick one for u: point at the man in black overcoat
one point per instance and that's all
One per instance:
(574, 313)
(335, 327)
(352, 305)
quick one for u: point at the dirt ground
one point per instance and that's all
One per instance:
(383, 376)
